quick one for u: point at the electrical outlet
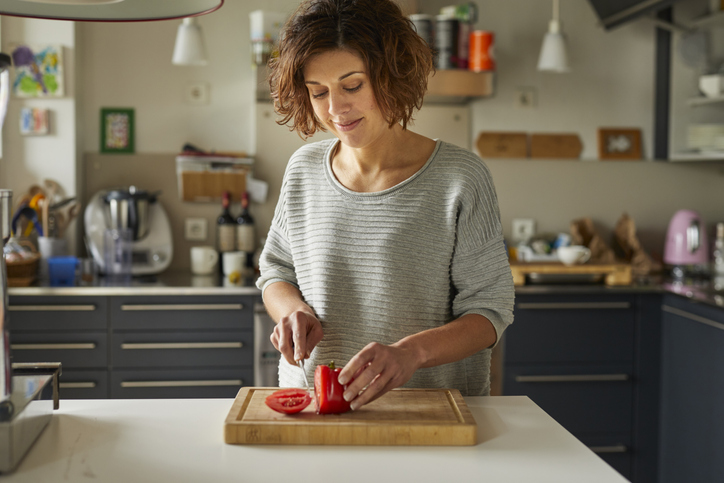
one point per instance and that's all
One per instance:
(197, 93)
(525, 97)
(523, 229)
(196, 229)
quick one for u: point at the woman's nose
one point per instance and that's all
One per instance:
(338, 104)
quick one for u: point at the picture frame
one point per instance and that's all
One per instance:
(39, 71)
(34, 121)
(619, 144)
(117, 130)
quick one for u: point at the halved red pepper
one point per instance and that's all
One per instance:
(329, 391)
(288, 401)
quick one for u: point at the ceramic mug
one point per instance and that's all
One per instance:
(574, 254)
(203, 260)
(234, 263)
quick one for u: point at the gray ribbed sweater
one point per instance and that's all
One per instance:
(376, 267)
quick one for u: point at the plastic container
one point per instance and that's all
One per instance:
(61, 271)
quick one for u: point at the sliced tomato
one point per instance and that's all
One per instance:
(288, 401)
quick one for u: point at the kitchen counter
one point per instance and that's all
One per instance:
(182, 282)
(167, 283)
(179, 440)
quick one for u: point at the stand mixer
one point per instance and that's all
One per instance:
(137, 211)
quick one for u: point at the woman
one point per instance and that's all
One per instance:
(386, 251)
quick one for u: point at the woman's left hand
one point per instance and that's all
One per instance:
(378, 368)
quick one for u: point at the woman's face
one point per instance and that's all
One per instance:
(342, 97)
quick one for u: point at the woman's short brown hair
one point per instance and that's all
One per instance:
(398, 60)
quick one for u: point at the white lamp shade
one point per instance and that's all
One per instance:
(553, 55)
(190, 48)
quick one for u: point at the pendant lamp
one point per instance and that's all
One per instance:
(108, 10)
(189, 48)
(553, 55)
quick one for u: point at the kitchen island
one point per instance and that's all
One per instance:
(181, 440)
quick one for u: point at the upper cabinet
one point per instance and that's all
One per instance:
(696, 119)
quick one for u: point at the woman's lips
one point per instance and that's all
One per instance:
(344, 127)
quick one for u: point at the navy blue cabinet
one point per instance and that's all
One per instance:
(578, 356)
(67, 329)
(138, 346)
(692, 392)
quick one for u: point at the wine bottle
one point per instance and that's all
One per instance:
(225, 230)
(245, 232)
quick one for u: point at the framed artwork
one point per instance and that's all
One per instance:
(34, 121)
(38, 71)
(117, 130)
(617, 143)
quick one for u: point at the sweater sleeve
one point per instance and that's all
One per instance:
(480, 269)
(276, 263)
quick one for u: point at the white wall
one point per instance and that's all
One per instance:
(611, 85)
(28, 160)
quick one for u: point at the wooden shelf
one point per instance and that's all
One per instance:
(715, 19)
(458, 85)
(697, 156)
(704, 101)
(455, 86)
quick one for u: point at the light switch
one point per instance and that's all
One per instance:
(196, 229)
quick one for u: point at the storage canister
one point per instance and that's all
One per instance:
(423, 26)
(482, 55)
(446, 41)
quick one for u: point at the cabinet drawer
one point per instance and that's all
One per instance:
(187, 383)
(182, 349)
(80, 384)
(58, 313)
(571, 330)
(614, 449)
(585, 400)
(73, 350)
(185, 313)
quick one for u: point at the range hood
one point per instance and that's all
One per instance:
(614, 13)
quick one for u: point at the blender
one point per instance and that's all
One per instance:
(28, 391)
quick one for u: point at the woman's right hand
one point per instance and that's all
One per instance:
(296, 334)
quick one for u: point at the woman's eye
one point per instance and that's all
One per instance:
(318, 95)
(354, 89)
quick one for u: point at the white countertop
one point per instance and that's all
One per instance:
(181, 440)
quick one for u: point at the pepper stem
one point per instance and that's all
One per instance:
(331, 365)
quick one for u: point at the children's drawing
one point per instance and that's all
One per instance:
(38, 71)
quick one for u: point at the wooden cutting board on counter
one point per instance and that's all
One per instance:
(401, 417)
(613, 273)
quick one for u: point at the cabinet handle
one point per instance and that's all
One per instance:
(616, 448)
(183, 345)
(574, 305)
(131, 307)
(223, 382)
(574, 378)
(77, 385)
(694, 317)
(69, 346)
(51, 308)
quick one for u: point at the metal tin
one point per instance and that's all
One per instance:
(446, 41)
(482, 55)
(423, 26)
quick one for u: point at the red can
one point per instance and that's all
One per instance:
(481, 51)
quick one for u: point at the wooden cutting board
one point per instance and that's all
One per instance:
(400, 417)
(558, 146)
(614, 273)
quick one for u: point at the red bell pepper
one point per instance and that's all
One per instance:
(329, 391)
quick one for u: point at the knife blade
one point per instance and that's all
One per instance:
(300, 363)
